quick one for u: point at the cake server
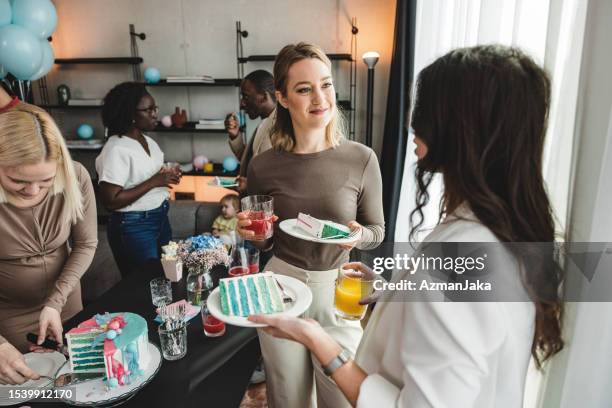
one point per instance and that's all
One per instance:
(48, 344)
(67, 379)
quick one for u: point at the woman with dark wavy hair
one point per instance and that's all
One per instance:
(479, 120)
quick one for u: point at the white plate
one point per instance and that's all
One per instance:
(44, 364)
(299, 292)
(95, 393)
(290, 227)
(217, 182)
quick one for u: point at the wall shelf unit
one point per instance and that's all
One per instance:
(189, 127)
(70, 107)
(256, 58)
(346, 105)
(102, 60)
(218, 82)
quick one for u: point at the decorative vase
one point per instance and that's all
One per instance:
(179, 117)
(199, 284)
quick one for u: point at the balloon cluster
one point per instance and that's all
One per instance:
(25, 26)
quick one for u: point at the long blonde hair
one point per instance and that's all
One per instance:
(283, 136)
(28, 135)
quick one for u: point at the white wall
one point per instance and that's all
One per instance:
(580, 375)
(198, 37)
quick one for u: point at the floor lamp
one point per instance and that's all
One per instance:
(370, 58)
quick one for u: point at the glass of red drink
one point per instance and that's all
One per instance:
(253, 260)
(260, 209)
(213, 327)
(239, 264)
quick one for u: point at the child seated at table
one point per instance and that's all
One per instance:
(226, 221)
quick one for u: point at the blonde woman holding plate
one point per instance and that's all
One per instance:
(313, 169)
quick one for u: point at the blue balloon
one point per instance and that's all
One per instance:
(37, 16)
(85, 131)
(230, 163)
(152, 75)
(20, 51)
(6, 15)
(47, 61)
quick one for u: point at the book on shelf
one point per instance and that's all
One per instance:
(211, 121)
(85, 102)
(190, 78)
(90, 144)
(210, 126)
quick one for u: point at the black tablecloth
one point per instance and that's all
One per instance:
(214, 373)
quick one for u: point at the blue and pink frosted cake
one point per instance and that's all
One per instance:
(116, 344)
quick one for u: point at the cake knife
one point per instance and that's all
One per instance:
(67, 379)
(48, 344)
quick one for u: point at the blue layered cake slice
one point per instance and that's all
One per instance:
(116, 344)
(250, 294)
(321, 228)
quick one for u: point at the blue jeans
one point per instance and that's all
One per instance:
(136, 236)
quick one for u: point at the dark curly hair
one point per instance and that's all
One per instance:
(482, 113)
(120, 105)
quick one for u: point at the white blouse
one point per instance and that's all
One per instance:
(124, 162)
(447, 354)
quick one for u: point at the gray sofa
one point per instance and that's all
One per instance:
(187, 218)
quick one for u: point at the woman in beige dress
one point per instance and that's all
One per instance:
(49, 235)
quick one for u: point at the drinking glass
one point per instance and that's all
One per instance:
(173, 340)
(260, 209)
(161, 291)
(239, 264)
(213, 327)
(253, 259)
(349, 290)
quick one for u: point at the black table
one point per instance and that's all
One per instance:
(214, 373)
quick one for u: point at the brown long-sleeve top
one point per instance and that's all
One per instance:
(341, 184)
(42, 260)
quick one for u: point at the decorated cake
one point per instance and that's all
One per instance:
(321, 228)
(250, 294)
(113, 343)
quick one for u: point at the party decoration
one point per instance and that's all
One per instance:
(6, 14)
(37, 16)
(179, 117)
(47, 61)
(20, 51)
(151, 75)
(63, 94)
(230, 163)
(199, 161)
(85, 131)
(166, 121)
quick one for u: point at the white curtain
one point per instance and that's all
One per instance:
(552, 32)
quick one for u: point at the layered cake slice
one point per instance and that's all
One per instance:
(116, 344)
(250, 294)
(321, 228)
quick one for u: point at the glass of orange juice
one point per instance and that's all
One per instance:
(349, 291)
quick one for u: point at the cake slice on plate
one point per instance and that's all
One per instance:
(321, 228)
(250, 294)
